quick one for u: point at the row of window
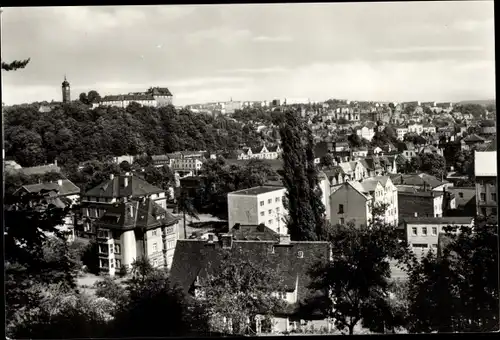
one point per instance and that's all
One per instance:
(104, 263)
(270, 211)
(269, 201)
(424, 230)
(483, 196)
(424, 245)
(170, 245)
(116, 249)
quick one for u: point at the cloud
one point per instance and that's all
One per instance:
(413, 49)
(265, 70)
(264, 38)
(225, 35)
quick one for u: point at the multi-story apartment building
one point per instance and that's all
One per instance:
(258, 205)
(485, 170)
(155, 97)
(422, 233)
(123, 188)
(354, 201)
(135, 229)
(186, 164)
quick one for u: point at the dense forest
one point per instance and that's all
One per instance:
(74, 133)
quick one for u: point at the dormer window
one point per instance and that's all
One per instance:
(300, 254)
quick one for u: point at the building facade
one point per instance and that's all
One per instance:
(66, 91)
(154, 97)
(258, 205)
(485, 170)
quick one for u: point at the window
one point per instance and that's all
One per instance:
(494, 211)
(341, 208)
(117, 249)
(270, 221)
(434, 231)
(341, 221)
(424, 231)
(461, 194)
(278, 209)
(414, 231)
(118, 263)
(270, 212)
(153, 233)
(494, 196)
(277, 199)
(262, 213)
(171, 244)
(483, 211)
(300, 254)
(104, 263)
(483, 197)
(269, 201)
(112, 263)
(155, 247)
(261, 203)
(155, 263)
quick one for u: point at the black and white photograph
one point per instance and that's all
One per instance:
(249, 169)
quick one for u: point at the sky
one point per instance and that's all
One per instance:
(400, 51)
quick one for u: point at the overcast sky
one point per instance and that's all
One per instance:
(442, 51)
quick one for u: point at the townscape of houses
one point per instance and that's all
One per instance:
(130, 218)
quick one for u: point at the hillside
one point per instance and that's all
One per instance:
(484, 102)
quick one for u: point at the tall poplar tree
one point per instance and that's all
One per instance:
(303, 198)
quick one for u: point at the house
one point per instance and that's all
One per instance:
(194, 260)
(445, 106)
(409, 150)
(133, 229)
(416, 128)
(124, 158)
(353, 201)
(430, 129)
(471, 141)
(118, 189)
(62, 193)
(422, 182)
(186, 164)
(429, 104)
(465, 198)
(367, 131)
(360, 152)
(413, 203)
(161, 160)
(485, 171)
(258, 205)
(422, 233)
(430, 149)
(270, 152)
(353, 170)
(401, 131)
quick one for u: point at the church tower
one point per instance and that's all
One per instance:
(66, 93)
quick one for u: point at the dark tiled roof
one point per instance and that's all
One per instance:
(146, 214)
(192, 258)
(467, 193)
(419, 180)
(439, 220)
(254, 233)
(160, 91)
(114, 188)
(66, 188)
(40, 170)
(272, 148)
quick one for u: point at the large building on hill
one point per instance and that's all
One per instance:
(154, 97)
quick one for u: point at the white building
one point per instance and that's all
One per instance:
(258, 205)
(416, 128)
(401, 132)
(186, 164)
(155, 97)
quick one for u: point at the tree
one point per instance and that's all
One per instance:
(15, 65)
(433, 164)
(185, 205)
(237, 290)
(326, 160)
(457, 289)
(125, 166)
(303, 197)
(358, 275)
(83, 98)
(355, 141)
(414, 165)
(93, 97)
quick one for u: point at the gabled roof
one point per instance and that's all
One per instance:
(254, 233)
(66, 188)
(418, 180)
(192, 259)
(146, 214)
(114, 188)
(359, 188)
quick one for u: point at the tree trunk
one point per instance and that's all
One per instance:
(185, 232)
(351, 329)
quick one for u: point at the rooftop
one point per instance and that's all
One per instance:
(114, 188)
(439, 220)
(256, 190)
(66, 188)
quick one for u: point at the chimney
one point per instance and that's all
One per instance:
(125, 180)
(284, 239)
(59, 182)
(227, 241)
(416, 214)
(55, 162)
(111, 176)
(210, 238)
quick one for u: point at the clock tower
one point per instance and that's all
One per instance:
(66, 93)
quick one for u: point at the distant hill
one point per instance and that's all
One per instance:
(480, 102)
